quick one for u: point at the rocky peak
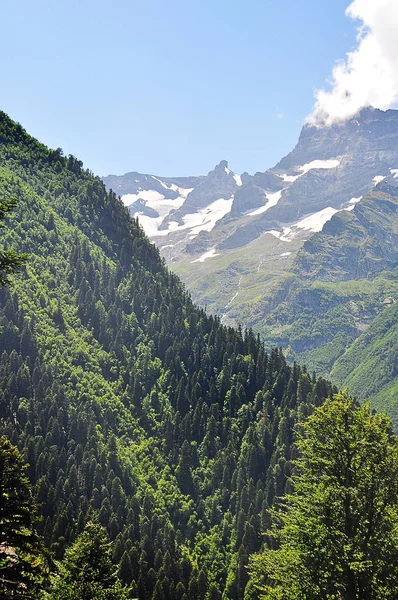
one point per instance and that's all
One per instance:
(222, 165)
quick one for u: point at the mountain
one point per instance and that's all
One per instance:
(231, 236)
(130, 404)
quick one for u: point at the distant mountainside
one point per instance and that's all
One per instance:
(130, 404)
(227, 235)
(300, 253)
(335, 309)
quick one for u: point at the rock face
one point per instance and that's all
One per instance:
(218, 184)
(134, 183)
(248, 198)
(327, 169)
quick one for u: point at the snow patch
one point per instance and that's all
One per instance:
(355, 200)
(320, 164)
(273, 200)
(206, 218)
(238, 179)
(203, 220)
(157, 202)
(147, 195)
(175, 188)
(281, 235)
(290, 178)
(316, 221)
(378, 178)
(209, 254)
(332, 163)
(286, 254)
(394, 173)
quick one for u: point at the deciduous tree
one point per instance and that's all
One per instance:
(87, 571)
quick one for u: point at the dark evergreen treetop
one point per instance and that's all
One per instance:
(22, 565)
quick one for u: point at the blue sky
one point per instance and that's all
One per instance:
(169, 87)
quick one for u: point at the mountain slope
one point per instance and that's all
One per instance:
(130, 404)
(369, 367)
(341, 287)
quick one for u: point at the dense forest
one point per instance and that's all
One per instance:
(134, 410)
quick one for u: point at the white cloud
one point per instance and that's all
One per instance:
(369, 74)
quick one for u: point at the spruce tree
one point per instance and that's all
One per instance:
(87, 571)
(335, 536)
(21, 558)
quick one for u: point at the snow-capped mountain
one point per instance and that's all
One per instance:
(260, 221)
(168, 206)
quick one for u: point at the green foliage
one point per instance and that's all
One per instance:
(10, 261)
(335, 536)
(369, 367)
(21, 556)
(87, 571)
(329, 313)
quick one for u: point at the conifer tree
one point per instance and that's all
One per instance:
(335, 536)
(21, 558)
(10, 261)
(87, 571)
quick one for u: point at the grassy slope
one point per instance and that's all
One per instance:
(244, 279)
(369, 367)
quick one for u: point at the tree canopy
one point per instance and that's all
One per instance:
(10, 261)
(127, 401)
(87, 571)
(21, 557)
(335, 535)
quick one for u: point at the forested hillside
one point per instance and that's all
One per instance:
(335, 311)
(130, 404)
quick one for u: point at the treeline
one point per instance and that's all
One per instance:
(131, 405)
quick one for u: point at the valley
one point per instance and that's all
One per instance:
(199, 300)
(260, 250)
